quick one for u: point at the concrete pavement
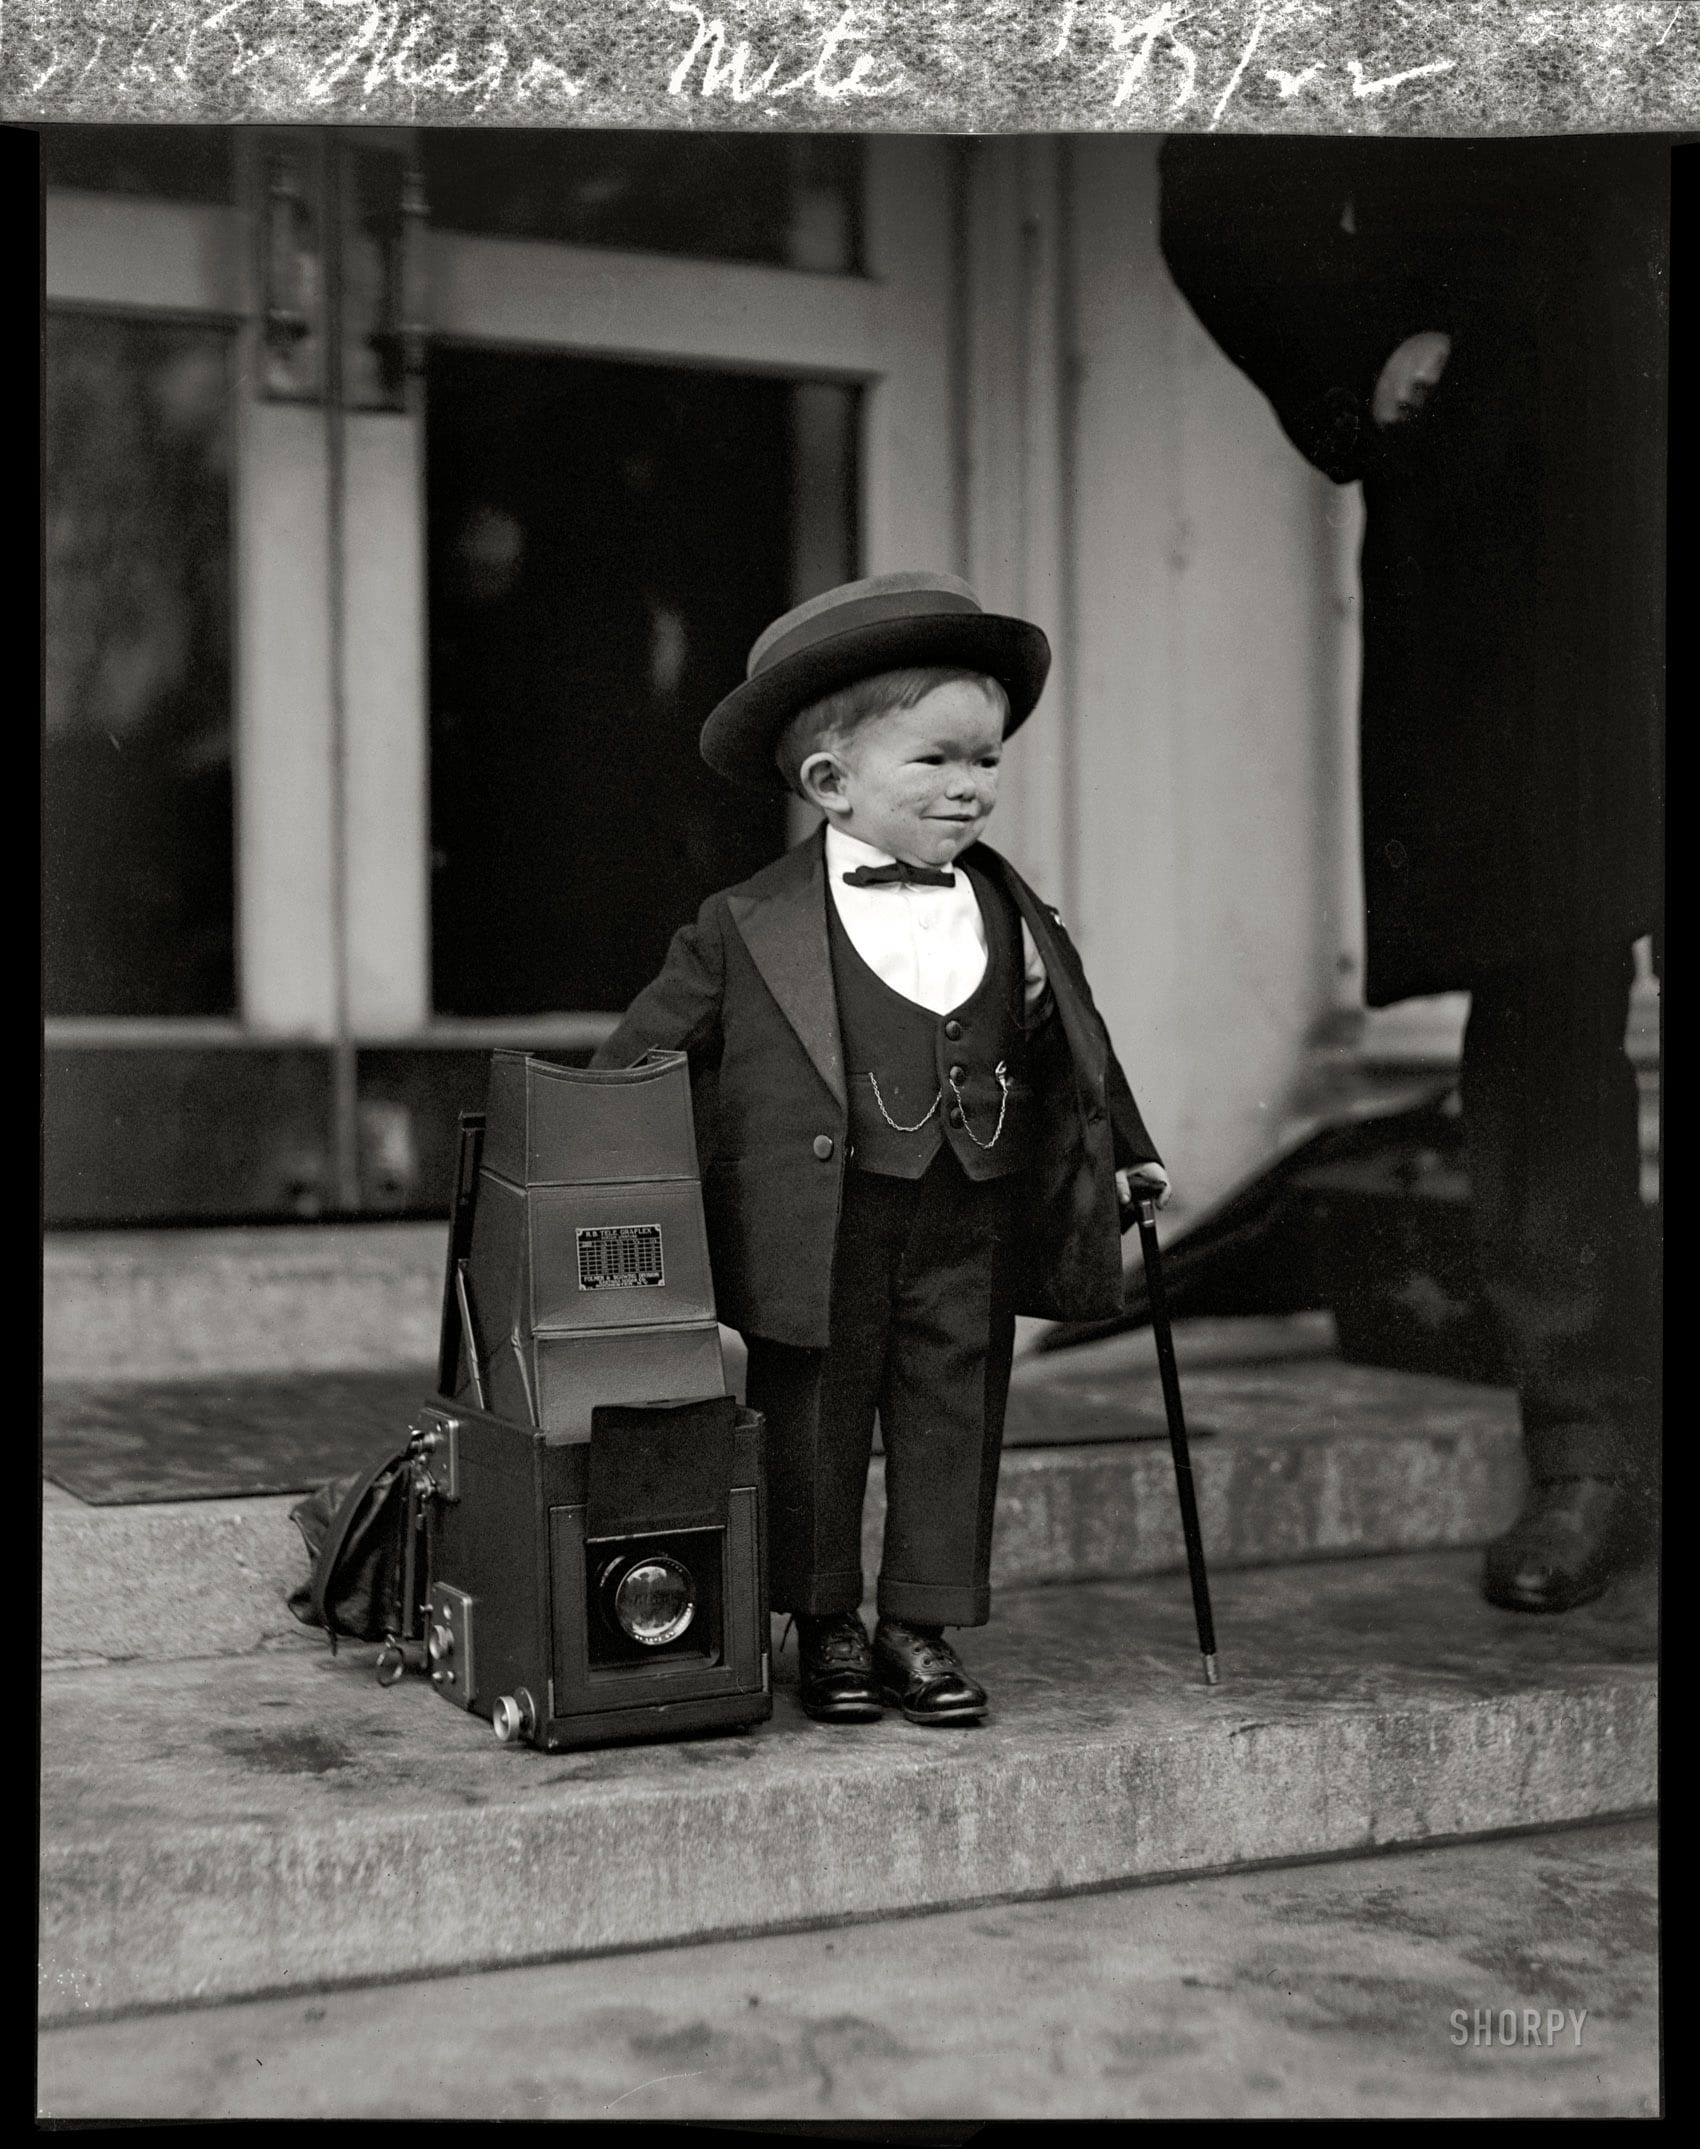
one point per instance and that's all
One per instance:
(224, 1827)
(1371, 1987)
(265, 1819)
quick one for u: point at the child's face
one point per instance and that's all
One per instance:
(920, 783)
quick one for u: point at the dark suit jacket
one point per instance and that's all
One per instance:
(1513, 563)
(746, 992)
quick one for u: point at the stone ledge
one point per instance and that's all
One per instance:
(1312, 1459)
(164, 1305)
(205, 1837)
(1319, 1991)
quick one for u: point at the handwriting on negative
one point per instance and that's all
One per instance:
(1147, 64)
(836, 69)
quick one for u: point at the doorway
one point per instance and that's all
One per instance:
(605, 542)
(462, 473)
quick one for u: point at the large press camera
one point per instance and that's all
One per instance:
(586, 1552)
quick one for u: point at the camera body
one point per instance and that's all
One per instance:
(593, 1498)
(573, 1601)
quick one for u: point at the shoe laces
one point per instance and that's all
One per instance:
(841, 1645)
(930, 1654)
(843, 1642)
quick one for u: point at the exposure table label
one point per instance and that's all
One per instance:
(619, 1257)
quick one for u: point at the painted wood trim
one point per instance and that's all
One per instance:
(147, 256)
(911, 411)
(287, 904)
(654, 308)
(1020, 445)
(386, 750)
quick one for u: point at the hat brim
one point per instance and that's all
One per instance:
(739, 739)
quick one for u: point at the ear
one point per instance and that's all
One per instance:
(821, 779)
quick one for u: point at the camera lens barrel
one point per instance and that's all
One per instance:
(650, 1597)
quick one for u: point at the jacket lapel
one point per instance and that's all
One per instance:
(784, 928)
(1062, 966)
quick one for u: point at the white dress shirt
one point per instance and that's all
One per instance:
(929, 944)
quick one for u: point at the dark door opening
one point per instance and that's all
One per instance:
(606, 541)
(138, 859)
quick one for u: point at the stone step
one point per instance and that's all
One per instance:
(205, 1836)
(187, 1304)
(165, 1305)
(1512, 1978)
(183, 1304)
(1304, 1458)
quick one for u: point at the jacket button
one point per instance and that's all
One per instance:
(823, 1146)
(958, 1074)
(953, 1029)
(956, 1115)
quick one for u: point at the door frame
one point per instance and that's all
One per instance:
(330, 718)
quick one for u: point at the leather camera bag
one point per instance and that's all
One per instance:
(355, 1530)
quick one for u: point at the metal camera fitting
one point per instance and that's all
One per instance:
(514, 1716)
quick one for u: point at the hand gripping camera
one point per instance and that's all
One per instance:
(591, 1496)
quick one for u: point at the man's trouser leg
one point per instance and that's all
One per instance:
(1552, 1137)
(942, 1404)
(922, 1332)
(820, 1407)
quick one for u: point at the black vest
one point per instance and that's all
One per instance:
(936, 1076)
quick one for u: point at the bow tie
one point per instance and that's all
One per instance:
(898, 875)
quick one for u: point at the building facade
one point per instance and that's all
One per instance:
(412, 495)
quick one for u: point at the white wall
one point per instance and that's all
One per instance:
(1185, 790)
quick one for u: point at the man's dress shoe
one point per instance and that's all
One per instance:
(921, 1674)
(837, 1669)
(1573, 1538)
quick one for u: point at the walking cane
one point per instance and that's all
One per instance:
(1177, 1433)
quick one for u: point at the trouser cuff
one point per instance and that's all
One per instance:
(935, 1604)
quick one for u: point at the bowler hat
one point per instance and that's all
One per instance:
(885, 623)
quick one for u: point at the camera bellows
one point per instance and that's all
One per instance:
(587, 1279)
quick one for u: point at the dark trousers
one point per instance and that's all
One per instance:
(1551, 1135)
(923, 1330)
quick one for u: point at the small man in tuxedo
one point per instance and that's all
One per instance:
(911, 1122)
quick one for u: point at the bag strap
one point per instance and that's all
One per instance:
(336, 1537)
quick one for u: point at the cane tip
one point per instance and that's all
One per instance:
(1210, 1675)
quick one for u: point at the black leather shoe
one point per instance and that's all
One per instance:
(1575, 1536)
(837, 1669)
(921, 1674)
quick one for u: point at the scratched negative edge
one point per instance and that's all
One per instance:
(887, 66)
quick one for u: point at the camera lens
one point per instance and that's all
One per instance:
(654, 1600)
